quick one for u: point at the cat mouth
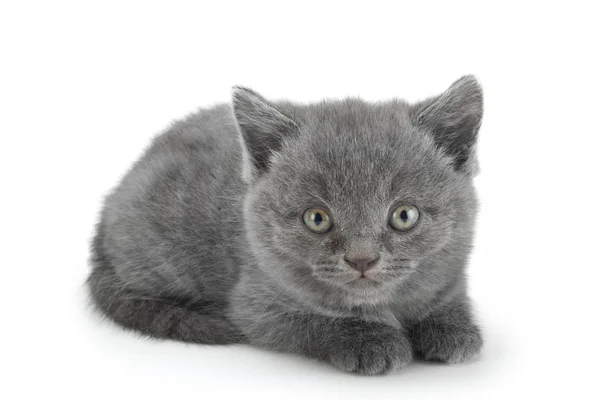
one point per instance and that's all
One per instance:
(363, 281)
(372, 280)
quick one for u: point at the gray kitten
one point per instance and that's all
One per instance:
(338, 230)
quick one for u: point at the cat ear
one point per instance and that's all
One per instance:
(263, 128)
(453, 119)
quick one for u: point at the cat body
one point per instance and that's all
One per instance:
(206, 239)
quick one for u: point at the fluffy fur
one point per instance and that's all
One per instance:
(203, 240)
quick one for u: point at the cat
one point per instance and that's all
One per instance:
(338, 230)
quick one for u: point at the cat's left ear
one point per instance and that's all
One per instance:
(263, 129)
(453, 119)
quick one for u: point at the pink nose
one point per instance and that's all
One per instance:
(361, 264)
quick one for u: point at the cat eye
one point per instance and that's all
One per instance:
(317, 220)
(404, 218)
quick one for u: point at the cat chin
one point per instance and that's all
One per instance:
(369, 287)
(364, 284)
(367, 294)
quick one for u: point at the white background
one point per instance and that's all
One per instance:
(84, 87)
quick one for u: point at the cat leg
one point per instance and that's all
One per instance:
(350, 344)
(157, 316)
(448, 335)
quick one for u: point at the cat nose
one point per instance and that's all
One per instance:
(361, 263)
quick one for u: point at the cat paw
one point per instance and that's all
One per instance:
(374, 352)
(450, 344)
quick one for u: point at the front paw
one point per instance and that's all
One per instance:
(370, 349)
(449, 343)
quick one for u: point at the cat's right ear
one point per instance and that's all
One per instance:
(263, 128)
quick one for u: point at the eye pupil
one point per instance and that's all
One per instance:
(317, 219)
(403, 215)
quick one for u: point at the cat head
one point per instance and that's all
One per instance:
(352, 197)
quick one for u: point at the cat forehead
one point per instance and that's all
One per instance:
(361, 147)
(353, 126)
(351, 115)
(351, 146)
(338, 172)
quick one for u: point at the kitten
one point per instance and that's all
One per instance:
(338, 230)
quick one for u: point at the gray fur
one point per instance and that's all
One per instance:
(203, 240)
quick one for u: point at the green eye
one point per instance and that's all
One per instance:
(317, 220)
(404, 218)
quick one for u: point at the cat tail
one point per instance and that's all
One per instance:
(155, 316)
